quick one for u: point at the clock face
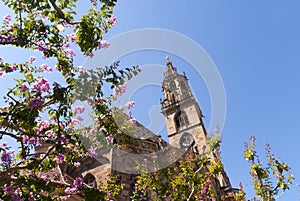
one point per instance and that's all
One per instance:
(186, 141)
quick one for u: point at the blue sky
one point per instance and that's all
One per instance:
(255, 46)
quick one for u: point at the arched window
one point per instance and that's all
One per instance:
(181, 120)
(172, 86)
(90, 180)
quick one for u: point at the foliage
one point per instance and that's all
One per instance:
(268, 180)
(40, 112)
(191, 178)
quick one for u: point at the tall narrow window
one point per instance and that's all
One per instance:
(172, 86)
(181, 120)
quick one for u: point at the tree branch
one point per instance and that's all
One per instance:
(60, 13)
(10, 135)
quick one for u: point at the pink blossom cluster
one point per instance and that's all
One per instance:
(81, 69)
(79, 109)
(72, 37)
(69, 190)
(31, 140)
(43, 124)
(70, 53)
(132, 121)
(6, 38)
(110, 138)
(112, 20)
(7, 18)
(15, 192)
(120, 90)
(2, 72)
(60, 158)
(46, 68)
(42, 85)
(104, 44)
(31, 60)
(6, 157)
(77, 164)
(92, 152)
(13, 68)
(4, 108)
(4, 144)
(36, 102)
(63, 198)
(41, 46)
(78, 182)
(73, 123)
(49, 133)
(130, 104)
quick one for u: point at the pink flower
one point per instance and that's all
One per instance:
(31, 60)
(72, 37)
(70, 53)
(77, 164)
(120, 90)
(4, 144)
(13, 67)
(42, 85)
(1, 60)
(79, 119)
(46, 68)
(49, 133)
(25, 139)
(69, 190)
(7, 157)
(132, 121)
(78, 182)
(60, 158)
(6, 38)
(5, 108)
(67, 45)
(112, 20)
(9, 28)
(89, 54)
(2, 72)
(74, 122)
(41, 46)
(130, 104)
(43, 125)
(81, 69)
(79, 109)
(62, 198)
(104, 44)
(7, 18)
(36, 103)
(23, 87)
(110, 138)
(92, 152)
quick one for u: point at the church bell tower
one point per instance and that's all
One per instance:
(182, 112)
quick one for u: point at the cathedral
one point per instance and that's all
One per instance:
(186, 131)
